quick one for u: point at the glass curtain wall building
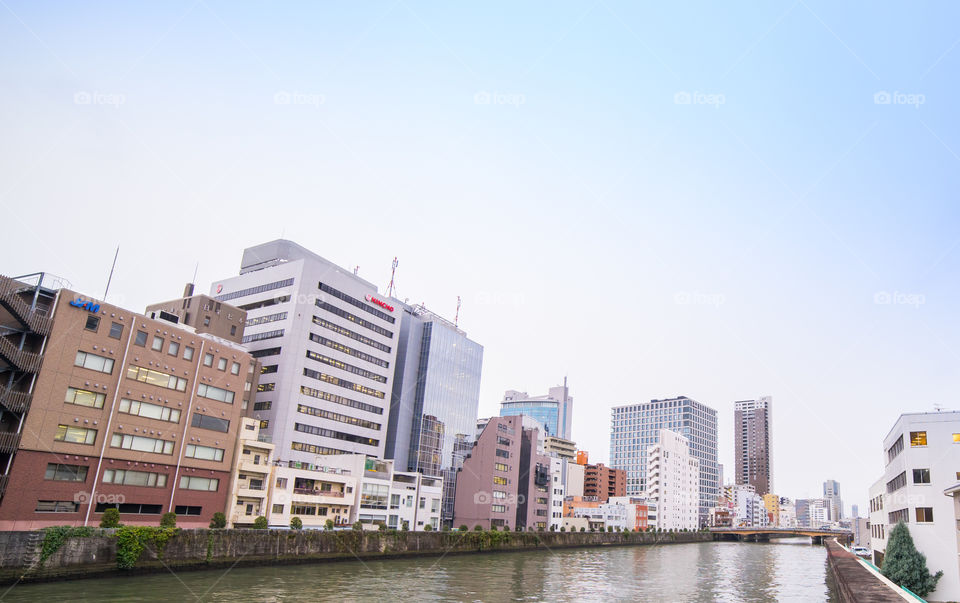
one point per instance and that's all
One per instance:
(554, 410)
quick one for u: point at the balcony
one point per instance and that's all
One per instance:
(311, 495)
(251, 491)
(251, 467)
(27, 362)
(9, 442)
(30, 318)
(17, 402)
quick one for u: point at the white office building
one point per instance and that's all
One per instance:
(673, 481)
(558, 480)
(749, 508)
(327, 341)
(922, 465)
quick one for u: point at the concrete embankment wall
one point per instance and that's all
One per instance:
(96, 554)
(855, 584)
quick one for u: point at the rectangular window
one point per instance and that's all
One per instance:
(131, 508)
(235, 368)
(921, 476)
(215, 393)
(151, 377)
(75, 435)
(503, 453)
(498, 508)
(116, 330)
(140, 339)
(204, 453)
(208, 359)
(93, 323)
(265, 353)
(257, 289)
(211, 423)
(895, 450)
(192, 482)
(82, 397)
(897, 483)
(173, 349)
(282, 483)
(124, 477)
(918, 438)
(278, 509)
(149, 410)
(500, 481)
(141, 443)
(57, 506)
(266, 387)
(262, 405)
(188, 510)
(895, 517)
(94, 362)
(187, 353)
(924, 514)
(157, 344)
(222, 364)
(65, 473)
(500, 467)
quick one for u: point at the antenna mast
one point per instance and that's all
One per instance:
(110, 278)
(456, 319)
(393, 273)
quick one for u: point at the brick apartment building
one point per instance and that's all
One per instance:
(603, 482)
(102, 407)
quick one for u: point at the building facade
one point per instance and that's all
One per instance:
(602, 482)
(674, 482)
(921, 465)
(831, 492)
(562, 448)
(554, 410)
(753, 443)
(106, 408)
(634, 430)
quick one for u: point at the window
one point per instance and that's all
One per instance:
(211, 423)
(94, 362)
(498, 508)
(151, 377)
(125, 477)
(75, 435)
(141, 443)
(897, 482)
(348, 350)
(262, 405)
(921, 476)
(206, 321)
(423, 503)
(339, 435)
(374, 496)
(208, 359)
(205, 453)
(282, 483)
(57, 506)
(192, 482)
(266, 352)
(215, 393)
(131, 508)
(500, 467)
(354, 319)
(66, 473)
(924, 514)
(174, 348)
(500, 481)
(321, 395)
(188, 510)
(363, 389)
(222, 364)
(503, 453)
(262, 336)
(140, 339)
(257, 289)
(82, 397)
(356, 302)
(499, 494)
(918, 438)
(956, 438)
(93, 323)
(335, 416)
(503, 441)
(895, 517)
(266, 387)
(264, 424)
(116, 330)
(277, 509)
(148, 410)
(187, 353)
(343, 366)
(303, 510)
(894, 450)
(235, 368)
(157, 344)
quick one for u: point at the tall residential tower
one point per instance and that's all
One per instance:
(753, 443)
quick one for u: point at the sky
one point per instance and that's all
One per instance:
(652, 199)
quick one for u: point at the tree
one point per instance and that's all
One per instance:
(428, 528)
(110, 518)
(582, 529)
(328, 525)
(463, 527)
(357, 527)
(478, 528)
(907, 566)
(493, 528)
(260, 523)
(168, 520)
(296, 523)
(219, 521)
(563, 529)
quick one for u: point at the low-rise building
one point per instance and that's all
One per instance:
(603, 482)
(564, 449)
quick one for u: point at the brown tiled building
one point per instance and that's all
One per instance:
(101, 407)
(603, 482)
(203, 313)
(752, 443)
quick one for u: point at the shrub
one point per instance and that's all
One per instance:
(358, 527)
(553, 527)
(478, 528)
(907, 566)
(446, 528)
(518, 529)
(428, 528)
(582, 529)
(563, 529)
(296, 523)
(110, 519)
(609, 528)
(328, 525)
(219, 521)
(260, 523)
(381, 526)
(493, 528)
(168, 520)
(406, 526)
(540, 529)
(463, 527)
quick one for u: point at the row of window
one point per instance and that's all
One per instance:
(337, 435)
(266, 352)
(257, 289)
(363, 389)
(87, 436)
(93, 324)
(354, 319)
(252, 322)
(348, 350)
(334, 416)
(356, 303)
(261, 336)
(125, 477)
(326, 324)
(315, 449)
(343, 366)
(336, 399)
(69, 506)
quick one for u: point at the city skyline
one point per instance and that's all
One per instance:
(752, 218)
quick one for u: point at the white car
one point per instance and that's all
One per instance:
(862, 551)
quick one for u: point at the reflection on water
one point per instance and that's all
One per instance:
(789, 569)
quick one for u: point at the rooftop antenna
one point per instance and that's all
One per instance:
(456, 319)
(110, 278)
(197, 268)
(356, 269)
(393, 273)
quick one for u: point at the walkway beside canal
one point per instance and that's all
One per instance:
(857, 584)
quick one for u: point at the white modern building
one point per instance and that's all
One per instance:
(328, 343)
(558, 480)
(922, 467)
(575, 475)
(749, 509)
(831, 492)
(673, 481)
(788, 514)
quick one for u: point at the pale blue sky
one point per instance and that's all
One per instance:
(540, 161)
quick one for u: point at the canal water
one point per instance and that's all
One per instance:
(785, 570)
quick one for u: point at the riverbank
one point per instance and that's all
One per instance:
(856, 584)
(81, 553)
